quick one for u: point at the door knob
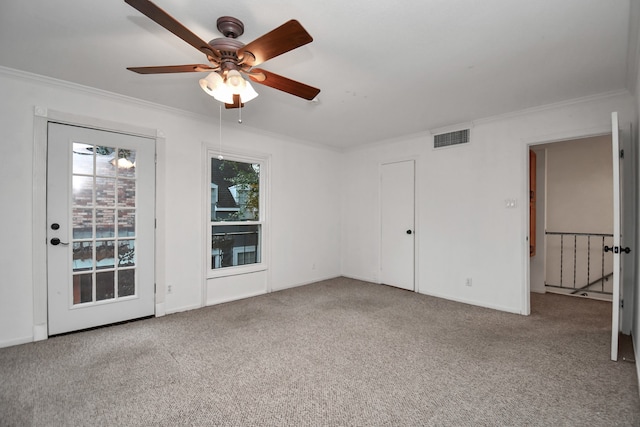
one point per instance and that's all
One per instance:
(55, 242)
(617, 249)
(409, 231)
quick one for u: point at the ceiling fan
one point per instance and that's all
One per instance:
(229, 58)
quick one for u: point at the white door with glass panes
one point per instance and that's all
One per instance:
(100, 227)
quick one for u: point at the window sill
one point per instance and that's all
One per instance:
(235, 271)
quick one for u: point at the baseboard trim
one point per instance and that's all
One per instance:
(473, 302)
(16, 341)
(183, 308)
(310, 282)
(362, 279)
(235, 298)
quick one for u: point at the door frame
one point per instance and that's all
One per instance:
(416, 226)
(41, 118)
(604, 128)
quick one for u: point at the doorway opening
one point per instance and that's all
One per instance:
(572, 218)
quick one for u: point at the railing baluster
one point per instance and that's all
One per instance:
(575, 248)
(578, 286)
(561, 256)
(588, 259)
(602, 280)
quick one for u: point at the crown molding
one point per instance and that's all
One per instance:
(64, 84)
(554, 106)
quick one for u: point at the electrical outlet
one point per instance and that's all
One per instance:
(169, 290)
(468, 281)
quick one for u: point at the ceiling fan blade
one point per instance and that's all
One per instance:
(191, 68)
(162, 18)
(284, 84)
(286, 37)
(236, 103)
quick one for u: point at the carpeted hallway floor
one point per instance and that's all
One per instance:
(335, 353)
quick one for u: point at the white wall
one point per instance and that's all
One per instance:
(579, 186)
(463, 228)
(304, 195)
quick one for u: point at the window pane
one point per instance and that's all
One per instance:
(126, 283)
(82, 256)
(104, 161)
(233, 245)
(82, 190)
(105, 286)
(127, 253)
(237, 191)
(82, 158)
(126, 223)
(105, 192)
(82, 223)
(126, 163)
(105, 257)
(126, 193)
(105, 223)
(82, 288)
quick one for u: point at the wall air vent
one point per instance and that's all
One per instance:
(451, 138)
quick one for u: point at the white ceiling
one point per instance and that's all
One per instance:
(386, 69)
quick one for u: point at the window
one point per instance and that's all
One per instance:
(236, 220)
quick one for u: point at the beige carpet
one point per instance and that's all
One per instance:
(335, 353)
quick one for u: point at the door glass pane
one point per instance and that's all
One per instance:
(82, 223)
(126, 223)
(105, 287)
(127, 253)
(126, 193)
(82, 194)
(105, 256)
(105, 192)
(82, 288)
(105, 163)
(82, 256)
(126, 283)
(105, 223)
(126, 163)
(82, 158)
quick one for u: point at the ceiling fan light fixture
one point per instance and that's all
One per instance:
(236, 82)
(248, 93)
(214, 85)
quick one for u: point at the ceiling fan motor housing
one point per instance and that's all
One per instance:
(228, 49)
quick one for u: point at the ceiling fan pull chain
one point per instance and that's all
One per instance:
(240, 113)
(220, 157)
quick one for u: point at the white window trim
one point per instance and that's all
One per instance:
(263, 159)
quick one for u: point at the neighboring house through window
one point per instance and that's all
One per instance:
(236, 215)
